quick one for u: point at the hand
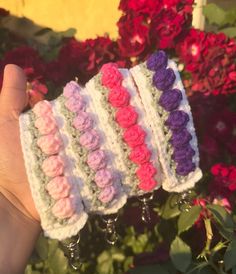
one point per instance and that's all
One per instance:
(13, 179)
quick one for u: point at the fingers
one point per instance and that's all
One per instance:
(13, 96)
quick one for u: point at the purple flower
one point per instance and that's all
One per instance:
(177, 120)
(157, 60)
(180, 138)
(170, 99)
(183, 153)
(163, 79)
(184, 168)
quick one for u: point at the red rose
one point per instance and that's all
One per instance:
(166, 28)
(118, 97)
(134, 136)
(179, 5)
(210, 59)
(215, 170)
(126, 116)
(134, 35)
(147, 184)
(28, 59)
(191, 49)
(140, 154)
(140, 6)
(111, 76)
(146, 170)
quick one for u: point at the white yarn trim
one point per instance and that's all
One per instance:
(53, 230)
(170, 181)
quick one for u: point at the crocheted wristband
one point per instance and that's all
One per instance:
(128, 132)
(53, 186)
(169, 113)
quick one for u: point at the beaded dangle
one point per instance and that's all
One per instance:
(145, 200)
(185, 201)
(110, 229)
(72, 252)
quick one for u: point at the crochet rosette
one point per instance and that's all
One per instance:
(126, 133)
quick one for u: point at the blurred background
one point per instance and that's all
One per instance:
(55, 41)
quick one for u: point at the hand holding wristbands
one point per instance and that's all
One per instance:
(126, 133)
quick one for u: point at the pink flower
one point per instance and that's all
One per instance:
(134, 136)
(71, 89)
(97, 159)
(50, 144)
(140, 154)
(53, 166)
(147, 184)
(118, 97)
(126, 116)
(46, 124)
(107, 194)
(63, 208)
(147, 170)
(82, 121)
(74, 104)
(90, 139)
(58, 187)
(224, 202)
(111, 76)
(42, 108)
(103, 177)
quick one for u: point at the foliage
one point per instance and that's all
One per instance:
(202, 238)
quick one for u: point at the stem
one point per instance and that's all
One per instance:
(209, 235)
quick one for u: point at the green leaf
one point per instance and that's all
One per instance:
(231, 32)
(222, 217)
(28, 269)
(204, 270)
(170, 208)
(224, 232)
(230, 255)
(42, 31)
(58, 262)
(230, 17)
(180, 254)
(149, 269)
(188, 218)
(53, 245)
(214, 14)
(128, 262)
(105, 263)
(117, 255)
(42, 247)
(68, 33)
(234, 270)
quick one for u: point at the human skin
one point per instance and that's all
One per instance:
(19, 219)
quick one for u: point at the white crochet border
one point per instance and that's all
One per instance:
(55, 230)
(170, 182)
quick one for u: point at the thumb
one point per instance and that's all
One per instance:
(13, 98)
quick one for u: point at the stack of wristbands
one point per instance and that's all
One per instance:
(125, 134)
